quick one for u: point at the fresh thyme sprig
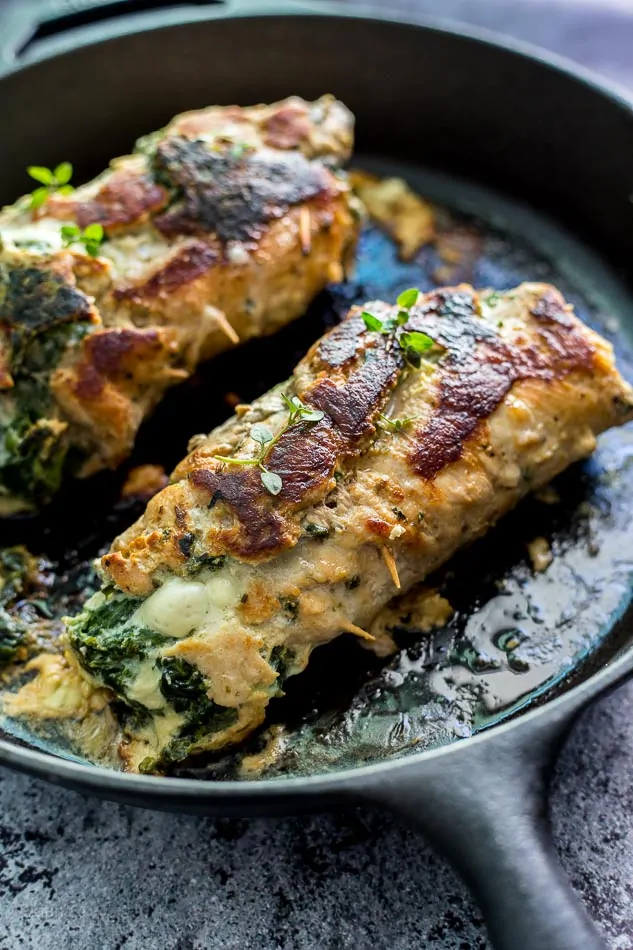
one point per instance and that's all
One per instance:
(263, 436)
(91, 237)
(299, 412)
(396, 425)
(52, 180)
(413, 344)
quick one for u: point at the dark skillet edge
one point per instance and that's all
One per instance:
(98, 33)
(550, 720)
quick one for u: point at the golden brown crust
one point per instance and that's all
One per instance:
(102, 391)
(286, 127)
(319, 129)
(480, 368)
(406, 216)
(143, 481)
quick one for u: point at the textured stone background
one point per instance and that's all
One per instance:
(79, 874)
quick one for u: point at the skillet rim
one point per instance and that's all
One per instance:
(133, 24)
(557, 710)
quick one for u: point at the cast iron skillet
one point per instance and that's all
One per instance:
(528, 125)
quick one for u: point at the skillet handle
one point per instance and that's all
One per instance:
(484, 809)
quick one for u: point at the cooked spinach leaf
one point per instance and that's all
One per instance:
(281, 658)
(108, 645)
(41, 317)
(13, 634)
(182, 684)
(186, 689)
(17, 570)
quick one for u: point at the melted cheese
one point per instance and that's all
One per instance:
(60, 690)
(180, 607)
(145, 687)
(175, 609)
(222, 591)
(44, 234)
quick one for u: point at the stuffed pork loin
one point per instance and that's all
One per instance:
(304, 514)
(221, 227)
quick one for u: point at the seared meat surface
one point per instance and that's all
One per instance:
(220, 227)
(404, 434)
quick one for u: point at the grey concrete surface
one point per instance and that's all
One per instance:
(78, 874)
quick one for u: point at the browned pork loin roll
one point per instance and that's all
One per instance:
(404, 434)
(220, 227)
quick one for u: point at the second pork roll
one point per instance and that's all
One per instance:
(221, 227)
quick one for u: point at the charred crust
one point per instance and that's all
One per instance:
(479, 368)
(551, 308)
(353, 404)
(126, 198)
(111, 350)
(304, 458)
(34, 300)
(342, 343)
(262, 531)
(183, 268)
(89, 383)
(232, 196)
(115, 354)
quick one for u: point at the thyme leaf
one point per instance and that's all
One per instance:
(271, 481)
(396, 425)
(298, 411)
(91, 237)
(51, 180)
(408, 298)
(373, 323)
(416, 341)
(412, 343)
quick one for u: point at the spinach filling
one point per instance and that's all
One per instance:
(186, 689)
(17, 567)
(13, 634)
(111, 648)
(281, 659)
(41, 318)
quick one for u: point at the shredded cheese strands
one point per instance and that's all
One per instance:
(390, 563)
(357, 631)
(226, 328)
(223, 324)
(305, 230)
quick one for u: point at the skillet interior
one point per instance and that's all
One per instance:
(350, 708)
(462, 105)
